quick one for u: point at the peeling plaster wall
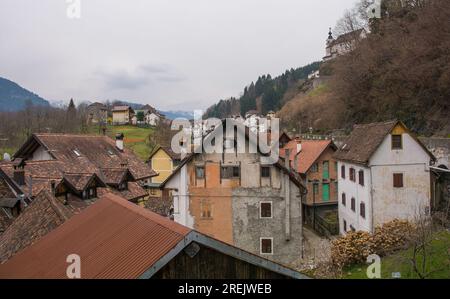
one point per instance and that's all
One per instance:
(248, 227)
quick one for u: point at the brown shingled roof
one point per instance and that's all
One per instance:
(168, 150)
(114, 238)
(365, 140)
(43, 215)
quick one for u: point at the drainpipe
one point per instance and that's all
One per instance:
(287, 196)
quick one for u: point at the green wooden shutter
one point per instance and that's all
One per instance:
(326, 192)
(326, 170)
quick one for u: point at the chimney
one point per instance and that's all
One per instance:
(119, 141)
(287, 157)
(19, 176)
(299, 147)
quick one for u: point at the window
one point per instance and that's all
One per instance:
(315, 188)
(352, 175)
(361, 177)
(353, 204)
(343, 172)
(326, 192)
(231, 172)
(344, 199)
(266, 246)
(265, 172)
(345, 226)
(362, 210)
(265, 209)
(326, 170)
(398, 180)
(77, 153)
(315, 167)
(397, 142)
(200, 172)
(206, 210)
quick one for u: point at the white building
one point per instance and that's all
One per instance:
(383, 175)
(344, 44)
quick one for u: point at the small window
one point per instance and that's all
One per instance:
(398, 180)
(353, 204)
(352, 175)
(344, 199)
(343, 172)
(345, 226)
(265, 172)
(315, 167)
(362, 210)
(200, 172)
(206, 210)
(265, 209)
(315, 188)
(361, 177)
(230, 172)
(397, 142)
(266, 246)
(77, 153)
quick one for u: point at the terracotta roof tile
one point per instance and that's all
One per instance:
(311, 151)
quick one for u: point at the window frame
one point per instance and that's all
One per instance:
(196, 173)
(343, 170)
(353, 204)
(261, 246)
(225, 170)
(352, 174)
(269, 174)
(344, 199)
(361, 177)
(260, 209)
(401, 174)
(362, 209)
(393, 144)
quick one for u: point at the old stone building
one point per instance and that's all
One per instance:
(241, 199)
(384, 174)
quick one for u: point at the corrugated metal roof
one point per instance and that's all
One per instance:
(114, 239)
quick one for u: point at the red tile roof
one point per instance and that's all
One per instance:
(114, 239)
(311, 150)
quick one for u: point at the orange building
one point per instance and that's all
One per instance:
(313, 160)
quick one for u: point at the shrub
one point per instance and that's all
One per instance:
(355, 247)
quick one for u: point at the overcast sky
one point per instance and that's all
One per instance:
(172, 54)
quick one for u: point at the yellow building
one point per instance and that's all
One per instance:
(122, 115)
(164, 161)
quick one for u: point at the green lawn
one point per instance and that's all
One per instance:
(136, 138)
(438, 261)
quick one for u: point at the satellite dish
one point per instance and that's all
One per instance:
(6, 157)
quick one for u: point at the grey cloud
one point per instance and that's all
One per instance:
(141, 76)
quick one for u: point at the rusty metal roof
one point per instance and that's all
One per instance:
(114, 239)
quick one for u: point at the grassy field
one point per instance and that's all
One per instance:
(136, 138)
(438, 262)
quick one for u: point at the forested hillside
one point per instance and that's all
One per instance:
(264, 95)
(400, 71)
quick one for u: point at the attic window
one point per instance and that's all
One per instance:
(77, 153)
(397, 142)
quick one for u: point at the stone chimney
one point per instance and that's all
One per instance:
(19, 175)
(119, 141)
